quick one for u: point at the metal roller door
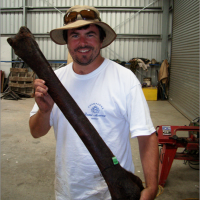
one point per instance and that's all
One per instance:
(184, 71)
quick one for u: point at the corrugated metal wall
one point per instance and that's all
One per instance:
(145, 26)
(184, 76)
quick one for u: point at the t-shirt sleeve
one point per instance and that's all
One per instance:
(138, 113)
(34, 110)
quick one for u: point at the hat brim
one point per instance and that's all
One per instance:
(57, 34)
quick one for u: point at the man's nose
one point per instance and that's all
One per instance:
(82, 40)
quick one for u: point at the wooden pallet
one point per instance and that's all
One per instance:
(21, 80)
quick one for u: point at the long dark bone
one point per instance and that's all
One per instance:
(121, 183)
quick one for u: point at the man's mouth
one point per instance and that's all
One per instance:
(83, 50)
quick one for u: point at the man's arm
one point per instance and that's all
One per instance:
(148, 146)
(40, 122)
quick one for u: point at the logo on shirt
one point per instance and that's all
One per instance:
(95, 111)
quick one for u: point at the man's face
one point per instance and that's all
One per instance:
(84, 45)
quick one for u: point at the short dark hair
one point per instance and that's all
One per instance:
(102, 33)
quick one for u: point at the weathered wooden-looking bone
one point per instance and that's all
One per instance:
(122, 184)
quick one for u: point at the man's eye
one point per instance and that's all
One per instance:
(90, 35)
(74, 36)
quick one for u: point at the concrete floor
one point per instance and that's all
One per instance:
(27, 164)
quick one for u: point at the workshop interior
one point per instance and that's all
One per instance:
(158, 40)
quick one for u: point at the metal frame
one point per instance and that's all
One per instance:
(100, 8)
(119, 36)
(24, 13)
(165, 26)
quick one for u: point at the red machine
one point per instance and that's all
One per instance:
(171, 142)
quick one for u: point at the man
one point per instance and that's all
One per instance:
(112, 99)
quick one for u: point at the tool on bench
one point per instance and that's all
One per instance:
(170, 142)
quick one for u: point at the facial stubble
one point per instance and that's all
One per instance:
(90, 59)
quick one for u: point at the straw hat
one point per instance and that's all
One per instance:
(57, 34)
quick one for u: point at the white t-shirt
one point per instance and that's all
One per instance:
(112, 99)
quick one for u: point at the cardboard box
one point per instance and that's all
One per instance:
(150, 93)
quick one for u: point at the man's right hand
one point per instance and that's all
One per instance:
(40, 122)
(42, 98)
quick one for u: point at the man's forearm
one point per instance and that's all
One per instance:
(149, 154)
(39, 124)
